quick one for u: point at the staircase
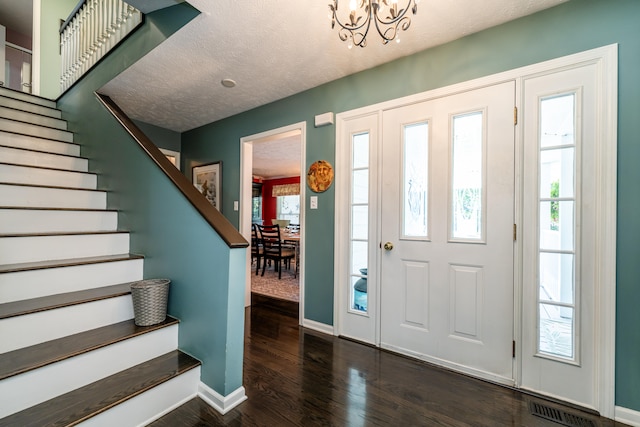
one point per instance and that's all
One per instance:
(70, 352)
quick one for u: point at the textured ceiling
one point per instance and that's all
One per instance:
(277, 156)
(274, 49)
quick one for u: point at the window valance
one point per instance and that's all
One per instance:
(285, 190)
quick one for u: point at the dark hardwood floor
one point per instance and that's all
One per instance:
(298, 377)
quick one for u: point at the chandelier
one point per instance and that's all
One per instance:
(384, 14)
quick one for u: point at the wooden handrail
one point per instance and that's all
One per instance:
(71, 15)
(219, 222)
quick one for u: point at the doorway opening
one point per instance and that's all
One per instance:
(272, 193)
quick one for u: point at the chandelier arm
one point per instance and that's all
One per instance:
(400, 16)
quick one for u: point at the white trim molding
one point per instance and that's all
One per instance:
(317, 326)
(222, 404)
(627, 416)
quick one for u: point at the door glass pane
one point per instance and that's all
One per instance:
(556, 278)
(557, 119)
(557, 173)
(467, 177)
(556, 330)
(359, 222)
(415, 180)
(360, 148)
(556, 225)
(558, 291)
(360, 192)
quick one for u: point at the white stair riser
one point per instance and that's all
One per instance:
(150, 405)
(36, 119)
(28, 106)
(31, 329)
(37, 176)
(21, 285)
(35, 130)
(14, 221)
(23, 391)
(40, 197)
(34, 143)
(35, 158)
(27, 97)
(46, 248)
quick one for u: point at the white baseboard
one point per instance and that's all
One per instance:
(627, 416)
(317, 326)
(222, 404)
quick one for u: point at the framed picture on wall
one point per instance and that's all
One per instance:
(208, 180)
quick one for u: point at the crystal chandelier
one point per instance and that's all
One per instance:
(384, 14)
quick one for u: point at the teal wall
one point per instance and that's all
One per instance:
(572, 27)
(163, 138)
(51, 12)
(207, 287)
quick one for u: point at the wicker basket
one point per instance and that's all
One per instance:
(150, 301)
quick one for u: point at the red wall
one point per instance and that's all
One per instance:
(269, 204)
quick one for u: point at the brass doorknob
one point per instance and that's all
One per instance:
(388, 246)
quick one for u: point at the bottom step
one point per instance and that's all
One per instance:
(131, 397)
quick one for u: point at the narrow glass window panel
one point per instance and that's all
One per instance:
(556, 331)
(360, 191)
(415, 180)
(467, 189)
(557, 121)
(359, 294)
(360, 145)
(359, 251)
(557, 171)
(557, 225)
(556, 278)
(360, 222)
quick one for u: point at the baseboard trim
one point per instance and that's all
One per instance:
(627, 416)
(222, 404)
(317, 326)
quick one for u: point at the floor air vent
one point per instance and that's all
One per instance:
(559, 416)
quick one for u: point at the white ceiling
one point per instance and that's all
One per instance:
(274, 49)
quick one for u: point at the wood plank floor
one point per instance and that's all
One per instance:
(297, 377)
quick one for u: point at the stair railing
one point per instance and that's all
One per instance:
(91, 31)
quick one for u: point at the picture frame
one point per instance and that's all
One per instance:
(207, 179)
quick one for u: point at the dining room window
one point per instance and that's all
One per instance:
(288, 207)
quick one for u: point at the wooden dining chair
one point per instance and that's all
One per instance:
(256, 247)
(272, 249)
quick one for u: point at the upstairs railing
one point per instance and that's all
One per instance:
(93, 29)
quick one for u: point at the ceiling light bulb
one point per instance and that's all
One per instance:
(228, 82)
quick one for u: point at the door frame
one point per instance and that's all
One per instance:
(606, 60)
(246, 179)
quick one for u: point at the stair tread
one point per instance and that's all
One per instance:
(38, 265)
(7, 92)
(88, 401)
(34, 305)
(38, 137)
(63, 233)
(38, 125)
(31, 150)
(20, 110)
(46, 167)
(36, 356)
(39, 208)
(57, 187)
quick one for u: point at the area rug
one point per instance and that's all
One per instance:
(269, 285)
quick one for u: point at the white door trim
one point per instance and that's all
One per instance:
(606, 59)
(246, 179)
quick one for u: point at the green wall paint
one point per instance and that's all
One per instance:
(569, 28)
(163, 138)
(207, 290)
(51, 12)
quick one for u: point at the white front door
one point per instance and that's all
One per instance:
(447, 215)
(560, 242)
